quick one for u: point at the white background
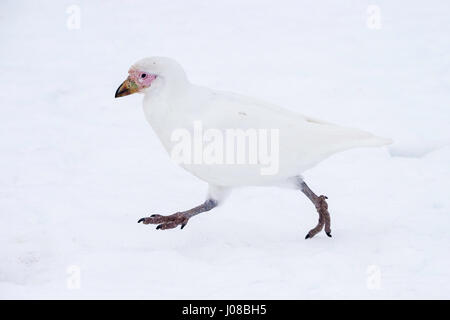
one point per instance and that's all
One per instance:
(78, 168)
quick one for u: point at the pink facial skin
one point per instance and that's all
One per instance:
(142, 79)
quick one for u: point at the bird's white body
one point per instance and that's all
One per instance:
(201, 123)
(174, 103)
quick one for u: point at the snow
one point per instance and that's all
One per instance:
(78, 168)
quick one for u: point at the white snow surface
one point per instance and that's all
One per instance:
(78, 168)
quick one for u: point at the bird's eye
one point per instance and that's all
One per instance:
(143, 75)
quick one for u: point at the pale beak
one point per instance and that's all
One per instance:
(126, 88)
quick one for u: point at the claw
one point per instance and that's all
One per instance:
(307, 236)
(166, 222)
(328, 234)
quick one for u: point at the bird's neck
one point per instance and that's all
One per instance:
(168, 89)
(160, 102)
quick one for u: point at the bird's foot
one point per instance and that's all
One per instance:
(166, 222)
(324, 218)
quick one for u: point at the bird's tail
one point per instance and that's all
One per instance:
(361, 139)
(375, 141)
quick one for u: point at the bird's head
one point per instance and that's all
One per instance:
(151, 73)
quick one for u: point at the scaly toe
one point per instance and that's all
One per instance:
(146, 220)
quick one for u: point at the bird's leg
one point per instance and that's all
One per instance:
(179, 218)
(321, 207)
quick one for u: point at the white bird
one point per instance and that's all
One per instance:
(176, 108)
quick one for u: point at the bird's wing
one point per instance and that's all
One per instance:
(303, 139)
